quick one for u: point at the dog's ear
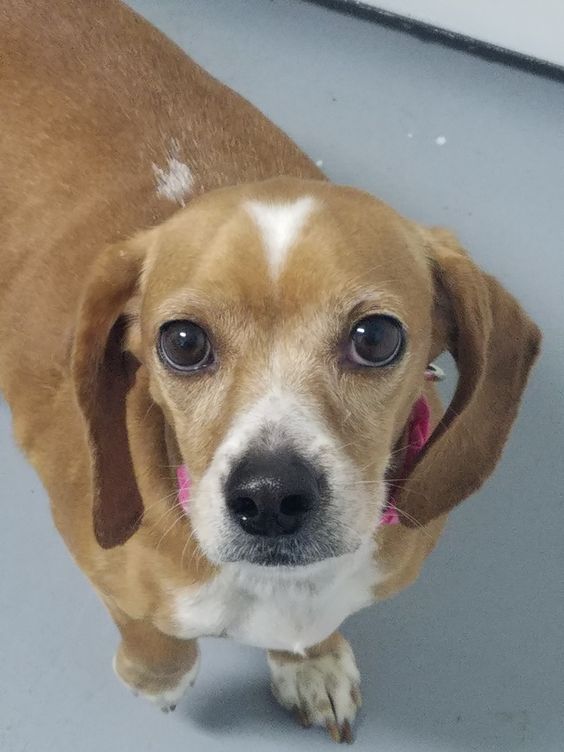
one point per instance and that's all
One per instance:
(104, 374)
(494, 344)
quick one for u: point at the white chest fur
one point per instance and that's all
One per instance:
(278, 610)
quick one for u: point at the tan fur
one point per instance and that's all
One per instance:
(148, 660)
(94, 261)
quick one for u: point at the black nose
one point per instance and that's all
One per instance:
(271, 494)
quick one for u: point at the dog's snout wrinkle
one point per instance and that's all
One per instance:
(271, 494)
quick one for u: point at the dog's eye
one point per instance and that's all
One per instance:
(184, 346)
(376, 341)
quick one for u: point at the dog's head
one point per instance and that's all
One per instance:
(273, 338)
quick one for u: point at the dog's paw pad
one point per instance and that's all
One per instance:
(322, 691)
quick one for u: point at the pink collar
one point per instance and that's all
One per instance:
(418, 435)
(184, 485)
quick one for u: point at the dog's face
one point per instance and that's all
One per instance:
(284, 329)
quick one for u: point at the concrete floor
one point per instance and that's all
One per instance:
(471, 658)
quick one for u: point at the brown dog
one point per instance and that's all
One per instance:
(218, 372)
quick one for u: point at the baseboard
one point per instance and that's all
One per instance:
(429, 33)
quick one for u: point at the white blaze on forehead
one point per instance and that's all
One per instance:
(280, 225)
(175, 180)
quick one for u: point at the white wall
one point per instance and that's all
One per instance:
(532, 27)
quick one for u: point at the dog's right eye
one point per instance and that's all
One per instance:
(184, 346)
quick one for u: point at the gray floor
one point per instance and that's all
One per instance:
(471, 658)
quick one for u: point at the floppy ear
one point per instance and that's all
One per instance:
(103, 375)
(494, 344)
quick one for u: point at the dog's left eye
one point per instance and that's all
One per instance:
(376, 341)
(184, 346)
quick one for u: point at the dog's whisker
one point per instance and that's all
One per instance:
(151, 406)
(180, 518)
(171, 509)
(413, 519)
(189, 539)
(158, 503)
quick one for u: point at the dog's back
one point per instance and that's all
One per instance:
(107, 127)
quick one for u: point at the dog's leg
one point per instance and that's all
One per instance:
(152, 664)
(322, 687)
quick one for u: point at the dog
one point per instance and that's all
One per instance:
(219, 363)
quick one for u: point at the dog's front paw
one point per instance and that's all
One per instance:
(164, 690)
(323, 690)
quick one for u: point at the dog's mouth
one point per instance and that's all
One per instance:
(298, 550)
